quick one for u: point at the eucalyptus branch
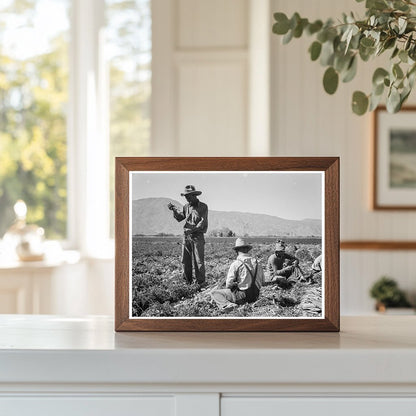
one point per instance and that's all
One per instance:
(388, 26)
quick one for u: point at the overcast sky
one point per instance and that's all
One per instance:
(290, 195)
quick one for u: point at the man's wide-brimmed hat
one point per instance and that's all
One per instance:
(240, 243)
(190, 190)
(280, 246)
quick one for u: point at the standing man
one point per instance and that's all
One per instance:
(195, 214)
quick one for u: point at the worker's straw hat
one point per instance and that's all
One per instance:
(280, 246)
(190, 190)
(240, 243)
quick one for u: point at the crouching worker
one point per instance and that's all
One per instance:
(244, 279)
(283, 265)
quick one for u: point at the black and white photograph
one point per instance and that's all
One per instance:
(226, 244)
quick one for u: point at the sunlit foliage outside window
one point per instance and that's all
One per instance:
(129, 57)
(34, 74)
(33, 102)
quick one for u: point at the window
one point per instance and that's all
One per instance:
(33, 100)
(75, 87)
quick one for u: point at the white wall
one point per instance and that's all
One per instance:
(215, 73)
(200, 77)
(308, 122)
(225, 86)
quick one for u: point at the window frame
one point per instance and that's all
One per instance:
(87, 133)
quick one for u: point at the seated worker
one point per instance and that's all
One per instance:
(316, 270)
(244, 279)
(282, 264)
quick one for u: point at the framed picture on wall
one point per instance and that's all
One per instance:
(394, 159)
(227, 244)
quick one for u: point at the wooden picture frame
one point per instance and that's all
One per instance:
(140, 176)
(394, 158)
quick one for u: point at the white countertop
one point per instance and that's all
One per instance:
(46, 349)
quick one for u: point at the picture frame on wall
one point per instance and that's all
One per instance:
(394, 159)
(227, 244)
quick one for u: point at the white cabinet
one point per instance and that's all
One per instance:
(88, 406)
(80, 366)
(324, 406)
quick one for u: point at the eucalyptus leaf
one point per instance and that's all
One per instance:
(351, 70)
(379, 75)
(408, 42)
(403, 56)
(393, 101)
(404, 96)
(412, 70)
(376, 36)
(314, 27)
(281, 27)
(298, 30)
(397, 71)
(359, 103)
(315, 50)
(395, 52)
(400, 5)
(378, 89)
(327, 54)
(374, 102)
(402, 22)
(355, 41)
(353, 31)
(350, 18)
(367, 42)
(330, 80)
(389, 43)
(341, 62)
(322, 35)
(366, 53)
(288, 37)
(412, 52)
(411, 78)
(376, 4)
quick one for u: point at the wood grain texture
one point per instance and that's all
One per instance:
(329, 165)
(121, 244)
(378, 245)
(332, 226)
(376, 205)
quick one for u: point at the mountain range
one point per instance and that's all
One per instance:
(150, 216)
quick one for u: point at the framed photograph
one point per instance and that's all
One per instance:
(394, 179)
(227, 244)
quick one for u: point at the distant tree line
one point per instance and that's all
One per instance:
(222, 232)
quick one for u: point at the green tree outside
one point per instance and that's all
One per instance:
(33, 100)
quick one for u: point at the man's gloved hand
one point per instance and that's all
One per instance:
(171, 206)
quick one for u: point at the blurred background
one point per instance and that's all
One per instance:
(83, 81)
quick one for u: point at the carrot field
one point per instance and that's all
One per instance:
(158, 288)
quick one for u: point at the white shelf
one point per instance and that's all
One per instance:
(47, 349)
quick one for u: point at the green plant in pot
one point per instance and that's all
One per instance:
(387, 294)
(389, 27)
